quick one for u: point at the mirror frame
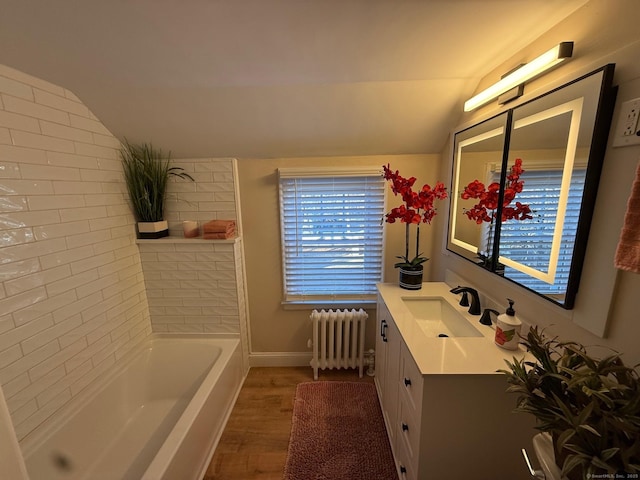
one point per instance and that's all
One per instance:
(605, 100)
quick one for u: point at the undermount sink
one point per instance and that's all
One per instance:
(436, 317)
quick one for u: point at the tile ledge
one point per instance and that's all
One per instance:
(172, 239)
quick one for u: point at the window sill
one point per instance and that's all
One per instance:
(318, 305)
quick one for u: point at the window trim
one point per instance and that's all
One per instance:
(290, 301)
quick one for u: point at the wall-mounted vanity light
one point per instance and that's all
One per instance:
(535, 67)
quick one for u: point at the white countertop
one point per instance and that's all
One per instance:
(449, 355)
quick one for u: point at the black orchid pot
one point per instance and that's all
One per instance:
(411, 277)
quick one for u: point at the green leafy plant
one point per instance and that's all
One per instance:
(591, 407)
(146, 173)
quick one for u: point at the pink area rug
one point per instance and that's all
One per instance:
(338, 433)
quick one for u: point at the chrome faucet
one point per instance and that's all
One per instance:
(474, 309)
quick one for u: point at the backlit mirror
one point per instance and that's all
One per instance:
(479, 154)
(524, 185)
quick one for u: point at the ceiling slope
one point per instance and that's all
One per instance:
(273, 78)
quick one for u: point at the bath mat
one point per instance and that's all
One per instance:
(338, 433)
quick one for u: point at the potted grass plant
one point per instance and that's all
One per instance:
(146, 173)
(589, 406)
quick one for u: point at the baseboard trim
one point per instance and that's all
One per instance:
(280, 359)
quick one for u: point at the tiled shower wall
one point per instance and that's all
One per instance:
(72, 296)
(211, 196)
(196, 285)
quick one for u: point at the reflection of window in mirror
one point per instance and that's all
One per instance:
(538, 254)
(529, 242)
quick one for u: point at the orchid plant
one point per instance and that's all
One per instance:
(488, 199)
(485, 209)
(418, 207)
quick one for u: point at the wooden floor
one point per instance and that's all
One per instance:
(254, 443)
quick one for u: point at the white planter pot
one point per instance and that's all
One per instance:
(543, 446)
(153, 229)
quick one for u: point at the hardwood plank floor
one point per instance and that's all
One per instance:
(254, 443)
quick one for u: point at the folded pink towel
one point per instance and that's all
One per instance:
(219, 226)
(218, 236)
(628, 251)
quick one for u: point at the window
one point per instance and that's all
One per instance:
(529, 242)
(332, 236)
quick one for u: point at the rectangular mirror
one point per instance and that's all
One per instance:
(544, 157)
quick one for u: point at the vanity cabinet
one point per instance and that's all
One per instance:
(446, 426)
(387, 365)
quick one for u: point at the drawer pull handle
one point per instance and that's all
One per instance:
(405, 427)
(407, 382)
(382, 325)
(403, 469)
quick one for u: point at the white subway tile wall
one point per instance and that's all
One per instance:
(212, 196)
(72, 295)
(195, 286)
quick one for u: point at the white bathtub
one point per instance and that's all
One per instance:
(158, 416)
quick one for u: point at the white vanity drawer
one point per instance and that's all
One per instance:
(411, 381)
(408, 431)
(405, 464)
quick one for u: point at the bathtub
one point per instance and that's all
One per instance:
(159, 415)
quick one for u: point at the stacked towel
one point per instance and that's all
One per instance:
(219, 229)
(628, 251)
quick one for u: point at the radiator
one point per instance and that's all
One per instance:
(338, 339)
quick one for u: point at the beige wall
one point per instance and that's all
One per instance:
(274, 329)
(603, 32)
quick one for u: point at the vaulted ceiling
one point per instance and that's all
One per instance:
(273, 78)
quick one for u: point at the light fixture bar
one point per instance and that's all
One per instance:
(528, 71)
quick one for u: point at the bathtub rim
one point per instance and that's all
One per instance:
(37, 438)
(172, 443)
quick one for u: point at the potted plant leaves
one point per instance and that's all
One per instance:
(146, 173)
(589, 406)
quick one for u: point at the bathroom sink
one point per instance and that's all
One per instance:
(436, 317)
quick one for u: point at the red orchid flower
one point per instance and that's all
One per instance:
(488, 198)
(418, 207)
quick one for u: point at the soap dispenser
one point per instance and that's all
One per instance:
(508, 328)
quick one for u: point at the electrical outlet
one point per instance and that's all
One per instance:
(627, 132)
(631, 122)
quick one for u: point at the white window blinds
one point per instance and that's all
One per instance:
(529, 242)
(332, 236)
